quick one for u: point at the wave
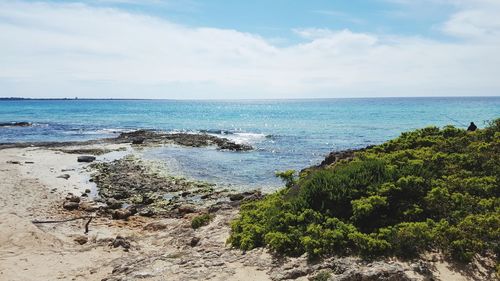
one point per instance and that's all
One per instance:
(247, 138)
(238, 136)
(105, 131)
(216, 132)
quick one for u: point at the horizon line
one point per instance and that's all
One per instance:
(239, 99)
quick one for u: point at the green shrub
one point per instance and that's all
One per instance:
(201, 220)
(322, 276)
(427, 189)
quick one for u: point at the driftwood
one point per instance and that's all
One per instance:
(67, 220)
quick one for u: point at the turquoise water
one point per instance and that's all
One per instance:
(289, 134)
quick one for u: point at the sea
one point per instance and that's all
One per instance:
(286, 134)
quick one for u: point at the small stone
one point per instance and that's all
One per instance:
(64, 176)
(86, 159)
(155, 226)
(81, 239)
(194, 241)
(72, 198)
(236, 197)
(120, 241)
(90, 206)
(121, 214)
(68, 205)
(87, 190)
(113, 203)
(138, 141)
(146, 212)
(186, 209)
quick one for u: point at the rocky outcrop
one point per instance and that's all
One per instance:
(184, 139)
(140, 138)
(343, 269)
(15, 124)
(137, 185)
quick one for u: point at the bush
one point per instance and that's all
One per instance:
(427, 189)
(322, 276)
(201, 220)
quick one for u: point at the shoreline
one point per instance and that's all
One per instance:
(163, 246)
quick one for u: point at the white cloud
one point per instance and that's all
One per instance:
(74, 49)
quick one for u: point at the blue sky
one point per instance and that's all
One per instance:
(276, 19)
(249, 49)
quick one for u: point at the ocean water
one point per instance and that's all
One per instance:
(286, 134)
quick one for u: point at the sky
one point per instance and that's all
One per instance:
(222, 49)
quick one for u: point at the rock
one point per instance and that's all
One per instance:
(186, 209)
(29, 162)
(113, 203)
(142, 275)
(236, 197)
(138, 141)
(146, 212)
(121, 214)
(64, 176)
(422, 268)
(86, 159)
(246, 196)
(155, 226)
(14, 162)
(90, 206)
(72, 198)
(87, 190)
(194, 241)
(81, 239)
(219, 206)
(146, 200)
(377, 271)
(120, 241)
(68, 205)
(15, 124)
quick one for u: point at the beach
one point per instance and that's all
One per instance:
(142, 246)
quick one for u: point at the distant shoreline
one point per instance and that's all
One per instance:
(244, 100)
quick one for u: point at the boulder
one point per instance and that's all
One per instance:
(86, 159)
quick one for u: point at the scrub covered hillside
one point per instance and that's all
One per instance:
(429, 189)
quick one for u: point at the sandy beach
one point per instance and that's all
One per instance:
(32, 190)
(35, 183)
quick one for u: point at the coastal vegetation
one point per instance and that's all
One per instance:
(429, 189)
(201, 220)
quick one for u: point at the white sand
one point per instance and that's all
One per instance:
(31, 191)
